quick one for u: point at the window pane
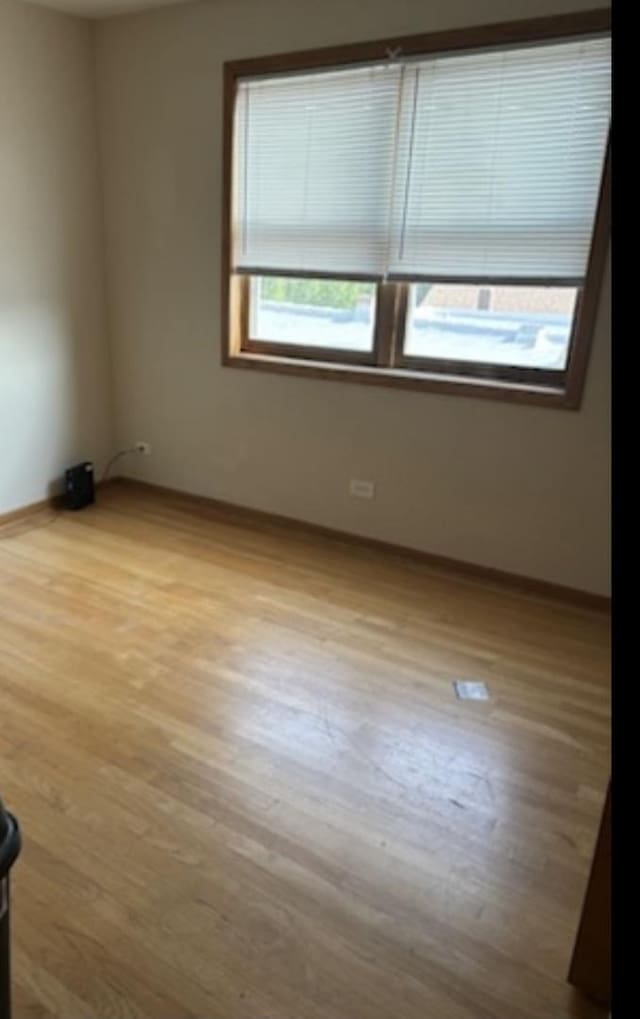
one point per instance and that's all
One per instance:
(525, 327)
(313, 312)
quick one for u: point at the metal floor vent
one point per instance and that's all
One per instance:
(471, 690)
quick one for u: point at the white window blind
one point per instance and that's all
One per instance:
(501, 156)
(314, 168)
(484, 164)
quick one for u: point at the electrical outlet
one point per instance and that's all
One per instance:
(144, 448)
(362, 489)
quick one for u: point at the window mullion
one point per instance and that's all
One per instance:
(383, 333)
(401, 299)
(389, 328)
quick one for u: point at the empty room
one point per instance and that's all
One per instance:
(305, 376)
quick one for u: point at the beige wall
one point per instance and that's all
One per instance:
(55, 396)
(518, 488)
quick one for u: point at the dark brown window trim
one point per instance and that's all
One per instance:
(386, 365)
(399, 378)
(307, 354)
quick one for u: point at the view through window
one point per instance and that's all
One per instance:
(313, 312)
(520, 326)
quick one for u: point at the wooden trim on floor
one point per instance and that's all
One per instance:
(54, 502)
(233, 513)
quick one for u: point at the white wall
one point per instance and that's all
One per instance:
(55, 386)
(522, 489)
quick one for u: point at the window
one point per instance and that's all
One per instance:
(334, 315)
(428, 213)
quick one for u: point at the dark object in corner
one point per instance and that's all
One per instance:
(78, 486)
(591, 963)
(9, 849)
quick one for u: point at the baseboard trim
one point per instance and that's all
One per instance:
(233, 513)
(54, 502)
(23, 512)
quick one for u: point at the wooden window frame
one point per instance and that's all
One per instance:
(272, 348)
(387, 364)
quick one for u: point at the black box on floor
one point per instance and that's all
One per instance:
(78, 486)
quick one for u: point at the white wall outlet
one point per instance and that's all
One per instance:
(144, 448)
(362, 489)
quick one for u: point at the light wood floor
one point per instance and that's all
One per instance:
(248, 792)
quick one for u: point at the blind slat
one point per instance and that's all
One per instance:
(468, 165)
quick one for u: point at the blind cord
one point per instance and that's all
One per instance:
(407, 182)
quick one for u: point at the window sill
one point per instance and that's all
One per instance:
(400, 378)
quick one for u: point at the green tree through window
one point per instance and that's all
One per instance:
(319, 293)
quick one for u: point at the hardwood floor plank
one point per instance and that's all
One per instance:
(248, 790)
